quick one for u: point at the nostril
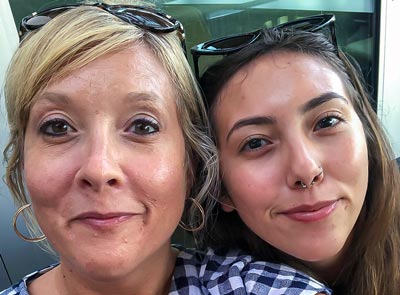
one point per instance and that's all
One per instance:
(85, 182)
(319, 176)
(112, 182)
(300, 183)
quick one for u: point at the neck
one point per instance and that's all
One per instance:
(65, 280)
(327, 271)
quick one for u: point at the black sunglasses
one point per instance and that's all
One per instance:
(148, 18)
(231, 44)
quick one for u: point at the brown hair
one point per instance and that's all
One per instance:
(372, 261)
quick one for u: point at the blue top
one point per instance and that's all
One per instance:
(235, 273)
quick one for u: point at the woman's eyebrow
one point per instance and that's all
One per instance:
(259, 120)
(52, 98)
(268, 120)
(150, 97)
(321, 99)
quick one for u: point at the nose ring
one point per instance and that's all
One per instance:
(303, 185)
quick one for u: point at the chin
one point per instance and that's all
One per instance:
(101, 264)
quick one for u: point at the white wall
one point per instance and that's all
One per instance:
(389, 71)
(8, 44)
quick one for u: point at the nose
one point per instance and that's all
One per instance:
(100, 166)
(304, 170)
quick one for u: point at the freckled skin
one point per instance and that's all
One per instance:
(104, 165)
(261, 180)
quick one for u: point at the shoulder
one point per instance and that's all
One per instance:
(21, 287)
(17, 289)
(227, 271)
(186, 277)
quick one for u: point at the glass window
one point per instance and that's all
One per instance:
(356, 22)
(356, 25)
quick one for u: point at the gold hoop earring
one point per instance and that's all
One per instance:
(32, 240)
(203, 217)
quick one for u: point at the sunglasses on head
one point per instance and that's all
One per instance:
(231, 44)
(144, 17)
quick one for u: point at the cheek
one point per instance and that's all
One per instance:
(46, 177)
(169, 176)
(249, 183)
(46, 191)
(351, 165)
(355, 154)
(167, 191)
(162, 176)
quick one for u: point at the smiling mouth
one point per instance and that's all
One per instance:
(306, 213)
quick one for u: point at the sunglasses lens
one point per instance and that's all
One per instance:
(234, 42)
(37, 21)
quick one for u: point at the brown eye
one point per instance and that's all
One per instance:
(144, 126)
(56, 127)
(255, 144)
(327, 122)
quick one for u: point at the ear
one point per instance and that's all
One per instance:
(226, 204)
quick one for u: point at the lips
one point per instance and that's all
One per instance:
(103, 221)
(311, 213)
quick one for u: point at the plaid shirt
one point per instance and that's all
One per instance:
(198, 273)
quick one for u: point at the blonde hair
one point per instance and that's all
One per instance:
(69, 42)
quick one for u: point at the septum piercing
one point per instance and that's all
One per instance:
(303, 185)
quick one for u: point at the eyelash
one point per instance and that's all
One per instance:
(145, 122)
(52, 123)
(244, 146)
(330, 115)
